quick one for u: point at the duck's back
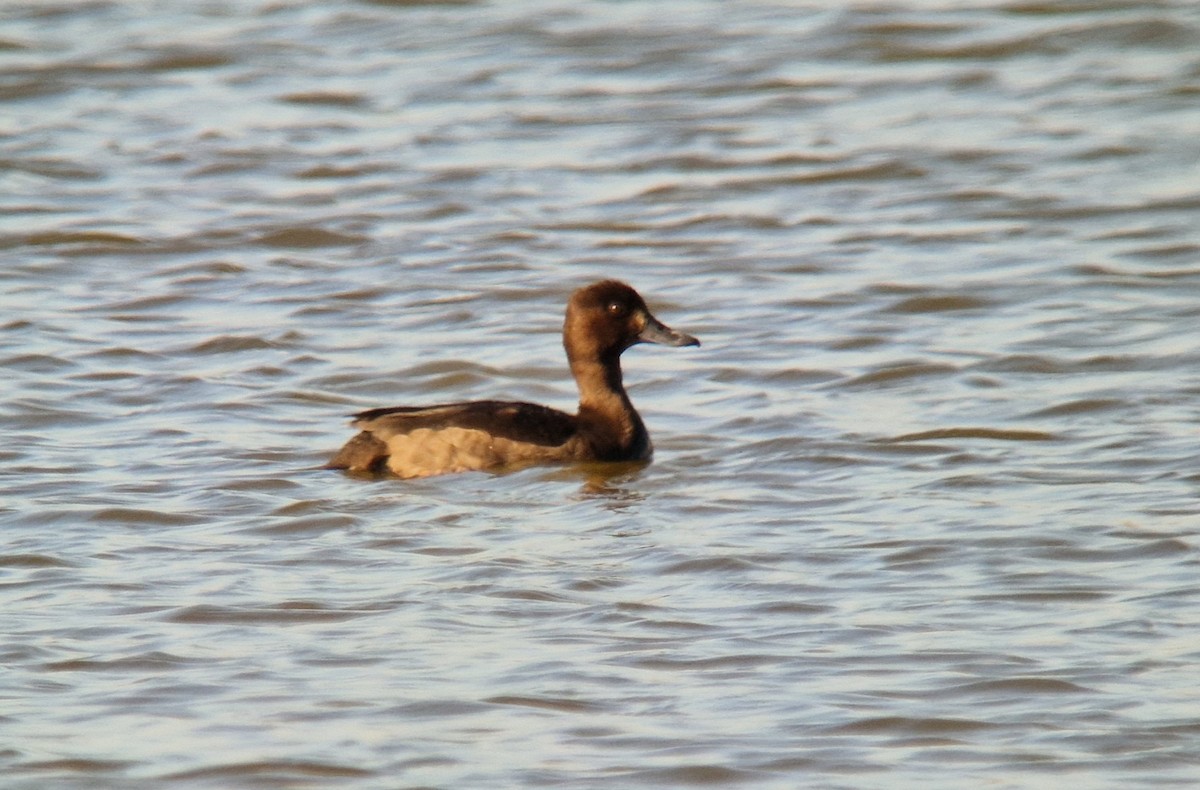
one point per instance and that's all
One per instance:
(413, 441)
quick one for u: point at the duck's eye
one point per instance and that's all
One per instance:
(616, 309)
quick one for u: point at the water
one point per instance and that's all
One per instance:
(924, 509)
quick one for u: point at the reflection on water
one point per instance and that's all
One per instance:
(924, 506)
(614, 484)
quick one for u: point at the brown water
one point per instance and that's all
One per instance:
(926, 504)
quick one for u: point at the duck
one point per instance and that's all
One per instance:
(603, 320)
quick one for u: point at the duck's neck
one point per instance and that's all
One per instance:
(604, 402)
(600, 384)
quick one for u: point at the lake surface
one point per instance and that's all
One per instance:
(925, 508)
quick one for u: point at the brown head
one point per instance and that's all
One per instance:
(605, 318)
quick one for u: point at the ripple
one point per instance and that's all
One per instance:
(546, 703)
(709, 565)
(144, 517)
(938, 304)
(904, 725)
(148, 662)
(296, 612)
(231, 344)
(693, 775)
(187, 59)
(326, 99)
(37, 363)
(275, 772)
(62, 169)
(974, 433)
(1006, 687)
(33, 561)
(103, 238)
(1082, 406)
(77, 766)
(898, 373)
(306, 238)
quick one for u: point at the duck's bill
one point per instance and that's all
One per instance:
(657, 332)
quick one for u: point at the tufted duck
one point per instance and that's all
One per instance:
(602, 321)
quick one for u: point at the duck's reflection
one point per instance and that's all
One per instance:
(611, 482)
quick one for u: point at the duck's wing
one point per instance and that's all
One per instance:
(529, 423)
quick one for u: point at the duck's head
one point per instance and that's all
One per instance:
(605, 318)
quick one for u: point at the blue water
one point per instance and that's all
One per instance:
(924, 506)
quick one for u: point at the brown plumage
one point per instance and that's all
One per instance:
(602, 321)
